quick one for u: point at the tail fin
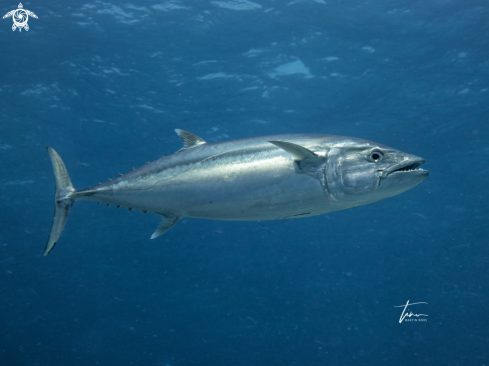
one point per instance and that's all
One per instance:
(62, 200)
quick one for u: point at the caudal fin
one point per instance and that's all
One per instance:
(62, 200)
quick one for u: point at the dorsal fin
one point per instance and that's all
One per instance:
(298, 152)
(189, 139)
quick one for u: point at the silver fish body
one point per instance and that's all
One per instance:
(261, 178)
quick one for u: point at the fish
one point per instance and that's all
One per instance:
(364, 74)
(252, 179)
(116, 298)
(251, 319)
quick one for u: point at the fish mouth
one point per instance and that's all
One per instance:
(405, 167)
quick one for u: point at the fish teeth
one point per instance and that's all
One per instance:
(411, 170)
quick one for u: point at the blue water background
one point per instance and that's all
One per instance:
(106, 83)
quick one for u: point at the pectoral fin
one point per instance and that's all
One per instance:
(167, 222)
(298, 152)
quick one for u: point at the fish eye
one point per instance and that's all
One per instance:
(376, 156)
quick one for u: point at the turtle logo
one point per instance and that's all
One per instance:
(20, 17)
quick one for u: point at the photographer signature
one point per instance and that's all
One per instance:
(410, 313)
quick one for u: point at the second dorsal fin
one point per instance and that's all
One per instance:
(189, 139)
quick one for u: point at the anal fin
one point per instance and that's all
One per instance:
(167, 222)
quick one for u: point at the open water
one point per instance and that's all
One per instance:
(105, 83)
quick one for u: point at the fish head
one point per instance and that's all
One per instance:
(361, 172)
